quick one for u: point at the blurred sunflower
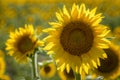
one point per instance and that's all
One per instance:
(4, 77)
(117, 32)
(77, 39)
(116, 35)
(110, 67)
(22, 43)
(66, 76)
(2, 63)
(2, 66)
(48, 70)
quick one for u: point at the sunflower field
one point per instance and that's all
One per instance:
(59, 39)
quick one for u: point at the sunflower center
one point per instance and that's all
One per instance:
(47, 69)
(70, 74)
(76, 38)
(109, 64)
(25, 44)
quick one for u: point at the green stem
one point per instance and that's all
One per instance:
(35, 68)
(77, 76)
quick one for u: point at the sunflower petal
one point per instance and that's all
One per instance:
(66, 16)
(82, 9)
(74, 12)
(80, 70)
(49, 46)
(62, 67)
(68, 68)
(85, 68)
(94, 64)
(77, 69)
(92, 12)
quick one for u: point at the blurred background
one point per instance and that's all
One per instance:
(17, 13)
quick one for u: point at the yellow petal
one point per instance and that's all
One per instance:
(80, 70)
(96, 19)
(76, 69)
(9, 48)
(98, 61)
(10, 53)
(49, 30)
(68, 68)
(12, 35)
(55, 25)
(50, 52)
(104, 55)
(94, 64)
(74, 12)
(10, 41)
(87, 13)
(59, 17)
(62, 67)
(105, 32)
(88, 65)
(85, 68)
(103, 46)
(82, 9)
(49, 46)
(40, 43)
(92, 12)
(65, 11)
(48, 38)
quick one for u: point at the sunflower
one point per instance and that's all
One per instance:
(22, 43)
(66, 76)
(48, 70)
(110, 67)
(76, 38)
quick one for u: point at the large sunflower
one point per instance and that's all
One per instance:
(110, 67)
(77, 39)
(48, 70)
(22, 43)
(66, 76)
